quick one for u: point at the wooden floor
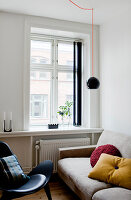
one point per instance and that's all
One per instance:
(59, 191)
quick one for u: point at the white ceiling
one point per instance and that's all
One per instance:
(63, 9)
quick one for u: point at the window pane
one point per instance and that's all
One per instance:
(43, 76)
(40, 99)
(33, 75)
(65, 54)
(40, 52)
(65, 91)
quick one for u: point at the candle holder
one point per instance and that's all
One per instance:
(10, 126)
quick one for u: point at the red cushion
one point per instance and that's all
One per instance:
(108, 148)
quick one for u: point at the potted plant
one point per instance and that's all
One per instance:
(65, 111)
(68, 113)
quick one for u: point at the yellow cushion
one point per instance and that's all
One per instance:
(112, 169)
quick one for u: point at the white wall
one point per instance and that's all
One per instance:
(115, 70)
(11, 67)
(14, 61)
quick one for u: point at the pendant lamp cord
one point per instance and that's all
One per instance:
(92, 29)
(92, 44)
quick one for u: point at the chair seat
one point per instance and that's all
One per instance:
(39, 178)
(35, 183)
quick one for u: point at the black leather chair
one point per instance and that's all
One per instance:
(39, 178)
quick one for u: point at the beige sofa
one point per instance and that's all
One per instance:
(74, 167)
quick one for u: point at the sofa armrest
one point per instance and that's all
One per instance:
(81, 151)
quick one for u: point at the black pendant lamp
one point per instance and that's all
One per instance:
(93, 82)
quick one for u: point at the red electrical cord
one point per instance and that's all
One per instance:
(79, 6)
(92, 27)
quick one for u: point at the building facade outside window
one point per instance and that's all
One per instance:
(51, 79)
(39, 106)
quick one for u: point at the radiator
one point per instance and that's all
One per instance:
(48, 149)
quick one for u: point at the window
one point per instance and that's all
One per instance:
(33, 75)
(39, 105)
(65, 54)
(69, 98)
(43, 76)
(69, 77)
(51, 79)
(40, 96)
(65, 87)
(41, 52)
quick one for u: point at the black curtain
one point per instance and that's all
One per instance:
(77, 68)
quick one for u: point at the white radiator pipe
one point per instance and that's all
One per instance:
(36, 153)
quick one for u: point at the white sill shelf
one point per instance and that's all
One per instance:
(46, 131)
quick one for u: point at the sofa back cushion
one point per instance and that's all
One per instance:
(120, 141)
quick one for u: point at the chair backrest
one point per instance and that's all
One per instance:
(5, 150)
(120, 141)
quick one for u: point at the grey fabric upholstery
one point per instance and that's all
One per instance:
(122, 142)
(76, 172)
(113, 194)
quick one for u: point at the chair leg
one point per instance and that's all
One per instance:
(47, 190)
(4, 198)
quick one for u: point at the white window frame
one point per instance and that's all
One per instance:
(53, 68)
(90, 110)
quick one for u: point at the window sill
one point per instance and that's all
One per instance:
(45, 131)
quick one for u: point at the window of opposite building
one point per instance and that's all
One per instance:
(51, 79)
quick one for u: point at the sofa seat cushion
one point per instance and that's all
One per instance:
(113, 194)
(74, 172)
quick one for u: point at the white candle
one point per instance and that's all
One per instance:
(10, 115)
(4, 116)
